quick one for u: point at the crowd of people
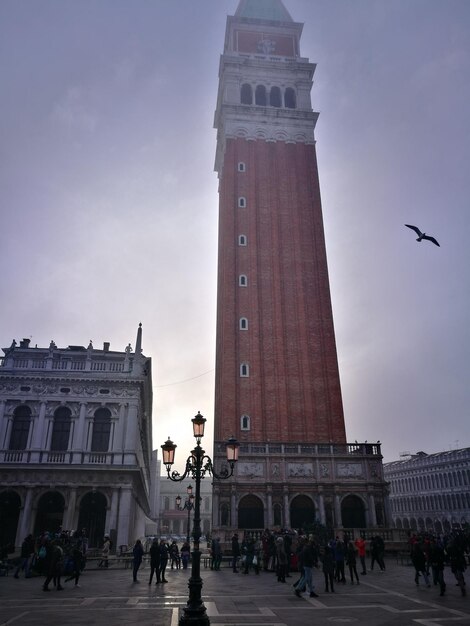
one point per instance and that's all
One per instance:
(285, 553)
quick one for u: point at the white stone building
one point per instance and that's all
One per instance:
(76, 442)
(430, 491)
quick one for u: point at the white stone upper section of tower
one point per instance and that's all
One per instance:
(264, 83)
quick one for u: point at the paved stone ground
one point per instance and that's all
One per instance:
(109, 597)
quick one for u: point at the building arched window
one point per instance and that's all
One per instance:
(61, 429)
(243, 323)
(244, 370)
(290, 99)
(246, 95)
(20, 428)
(245, 422)
(241, 167)
(243, 280)
(242, 240)
(242, 202)
(275, 99)
(260, 96)
(101, 431)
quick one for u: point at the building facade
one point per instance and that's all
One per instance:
(277, 379)
(76, 442)
(430, 491)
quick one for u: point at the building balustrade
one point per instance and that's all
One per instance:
(63, 364)
(66, 458)
(347, 449)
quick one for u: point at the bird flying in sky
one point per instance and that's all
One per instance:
(421, 235)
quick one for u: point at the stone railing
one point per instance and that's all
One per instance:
(16, 457)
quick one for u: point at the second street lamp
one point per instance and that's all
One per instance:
(187, 506)
(198, 464)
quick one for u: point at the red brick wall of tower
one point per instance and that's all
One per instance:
(292, 393)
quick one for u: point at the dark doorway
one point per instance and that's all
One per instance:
(92, 517)
(10, 504)
(302, 512)
(353, 513)
(50, 512)
(250, 513)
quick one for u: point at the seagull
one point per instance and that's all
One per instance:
(421, 235)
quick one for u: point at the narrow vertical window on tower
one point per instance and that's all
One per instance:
(242, 202)
(246, 95)
(245, 422)
(243, 323)
(241, 167)
(242, 240)
(244, 370)
(290, 99)
(243, 280)
(260, 96)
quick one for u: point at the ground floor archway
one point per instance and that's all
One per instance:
(302, 512)
(250, 513)
(92, 517)
(353, 514)
(10, 504)
(50, 512)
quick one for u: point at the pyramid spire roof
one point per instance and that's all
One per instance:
(273, 10)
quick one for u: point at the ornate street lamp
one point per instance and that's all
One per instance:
(198, 464)
(187, 506)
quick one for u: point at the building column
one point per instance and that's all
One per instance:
(112, 513)
(78, 443)
(4, 422)
(321, 509)
(233, 508)
(69, 512)
(372, 515)
(285, 498)
(124, 517)
(338, 520)
(25, 521)
(269, 507)
(39, 434)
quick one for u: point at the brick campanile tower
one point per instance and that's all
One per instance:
(277, 380)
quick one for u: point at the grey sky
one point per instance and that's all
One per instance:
(109, 199)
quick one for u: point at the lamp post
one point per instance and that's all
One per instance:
(198, 464)
(187, 506)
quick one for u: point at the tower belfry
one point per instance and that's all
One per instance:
(277, 379)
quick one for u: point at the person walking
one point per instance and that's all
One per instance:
(77, 558)
(281, 560)
(164, 554)
(54, 564)
(216, 554)
(185, 553)
(27, 551)
(360, 544)
(308, 560)
(437, 559)
(339, 550)
(105, 552)
(351, 561)
(235, 552)
(419, 563)
(137, 555)
(175, 555)
(328, 568)
(154, 561)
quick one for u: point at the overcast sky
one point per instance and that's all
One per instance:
(109, 200)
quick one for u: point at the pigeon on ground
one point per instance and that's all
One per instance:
(421, 235)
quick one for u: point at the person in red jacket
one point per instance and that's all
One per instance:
(360, 544)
